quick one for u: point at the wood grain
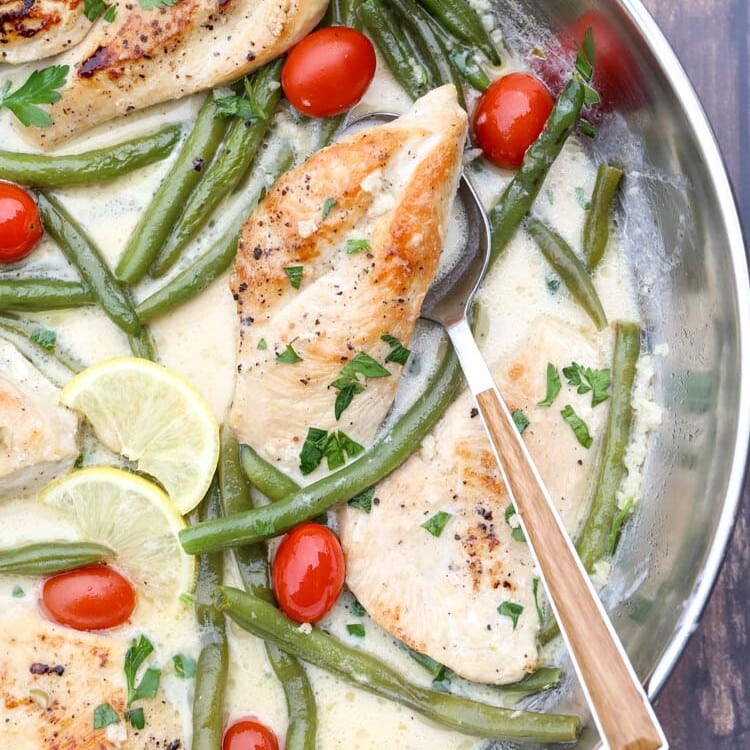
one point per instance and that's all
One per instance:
(706, 703)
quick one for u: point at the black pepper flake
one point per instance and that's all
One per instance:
(258, 253)
(174, 745)
(38, 668)
(198, 164)
(243, 287)
(376, 501)
(474, 412)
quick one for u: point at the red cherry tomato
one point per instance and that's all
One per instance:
(328, 71)
(249, 735)
(308, 572)
(20, 227)
(509, 117)
(91, 598)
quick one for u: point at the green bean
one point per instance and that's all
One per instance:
(341, 13)
(571, 271)
(164, 208)
(594, 541)
(143, 345)
(39, 294)
(224, 173)
(90, 166)
(458, 17)
(543, 678)
(274, 484)
(85, 256)
(30, 331)
(46, 558)
(252, 562)
(518, 196)
(213, 662)
(201, 272)
(596, 228)
(363, 670)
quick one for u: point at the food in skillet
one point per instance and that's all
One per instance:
(306, 254)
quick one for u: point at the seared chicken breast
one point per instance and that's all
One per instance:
(37, 435)
(359, 228)
(53, 678)
(440, 594)
(149, 56)
(35, 29)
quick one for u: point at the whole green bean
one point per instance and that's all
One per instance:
(201, 272)
(165, 207)
(274, 484)
(143, 345)
(29, 330)
(571, 271)
(596, 228)
(543, 678)
(594, 541)
(366, 672)
(252, 562)
(224, 173)
(341, 13)
(518, 196)
(47, 558)
(39, 294)
(213, 662)
(90, 166)
(458, 17)
(85, 256)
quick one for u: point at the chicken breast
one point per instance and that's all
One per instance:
(363, 222)
(53, 678)
(35, 29)
(37, 435)
(441, 594)
(149, 56)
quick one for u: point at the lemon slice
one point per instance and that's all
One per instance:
(153, 417)
(133, 517)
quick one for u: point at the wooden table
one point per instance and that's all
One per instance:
(706, 703)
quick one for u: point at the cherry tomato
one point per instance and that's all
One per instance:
(88, 598)
(509, 117)
(308, 572)
(249, 735)
(20, 227)
(328, 71)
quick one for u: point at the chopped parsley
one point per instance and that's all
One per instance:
(520, 419)
(512, 610)
(336, 447)
(354, 246)
(41, 87)
(553, 385)
(535, 590)
(584, 379)
(136, 718)
(248, 107)
(328, 207)
(363, 501)
(45, 338)
(585, 70)
(437, 523)
(357, 609)
(104, 715)
(138, 652)
(516, 532)
(187, 599)
(618, 521)
(348, 383)
(442, 683)
(184, 666)
(553, 284)
(399, 353)
(356, 629)
(294, 274)
(435, 668)
(93, 9)
(262, 345)
(587, 128)
(289, 356)
(471, 70)
(579, 427)
(156, 4)
(581, 199)
(18, 592)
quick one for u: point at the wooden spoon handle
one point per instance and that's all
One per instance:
(616, 697)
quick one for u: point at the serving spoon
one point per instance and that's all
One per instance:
(619, 705)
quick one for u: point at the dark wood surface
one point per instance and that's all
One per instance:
(706, 702)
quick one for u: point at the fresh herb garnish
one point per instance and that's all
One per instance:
(354, 246)
(363, 501)
(437, 523)
(41, 87)
(581, 198)
(138, 652)
(356, 629)
(262, 345)
(294, 274)
(156, 4)
(111, 14)
(442, 683)
(516, 532)
(553, 385)
(328, 207)
(587, 128)
(289, 356)
(357, 609)
(470, 69)
(187, 599)
(535, 590)
(104, 715)
(348, 383)
(584, 379)
(184, 666)
(45, 338)
(136, 718)
(312, 450)
(553, 284)
(18, 592)
(579, 427)
(93, 9)
(617, 522)
(399, 353)
(248, 107)
(584, 67)
(512, 610)
(336, 447)
(520, 419)
(435, 668)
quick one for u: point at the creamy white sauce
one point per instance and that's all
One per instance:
(198, 341)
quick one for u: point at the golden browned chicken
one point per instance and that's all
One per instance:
(363, 223)
(149, 56)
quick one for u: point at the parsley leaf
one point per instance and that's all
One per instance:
(433, 667)
(234, 106)
(442, 683)
(349, 446)
(356, 629)
(92, 9)
(289, 356)
(328, 207)
(581, 198)
(262, 345)
(138, 652)
(586, 57)
(584, 379)
(399, 353)
(136, 718)
(521, 420)
(516, 532)
(579, 427)
(587, 128)
(18, 592)
(363, 501)
(354, 246)
(184, 666)
(336, 447)
(470, 69)
(348, 383)
(553, 284)
(111, 14)
(363, 363)
(294, 274)
(44, 338)
(553, 385)
(104, 715)
(512, 610)
(535, 590)
(312, 450)
(349, 388)
(41, 87)
(357, 609)
(618, 521)
(437, 523)
(156, 4)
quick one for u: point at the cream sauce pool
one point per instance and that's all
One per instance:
(198, 341)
